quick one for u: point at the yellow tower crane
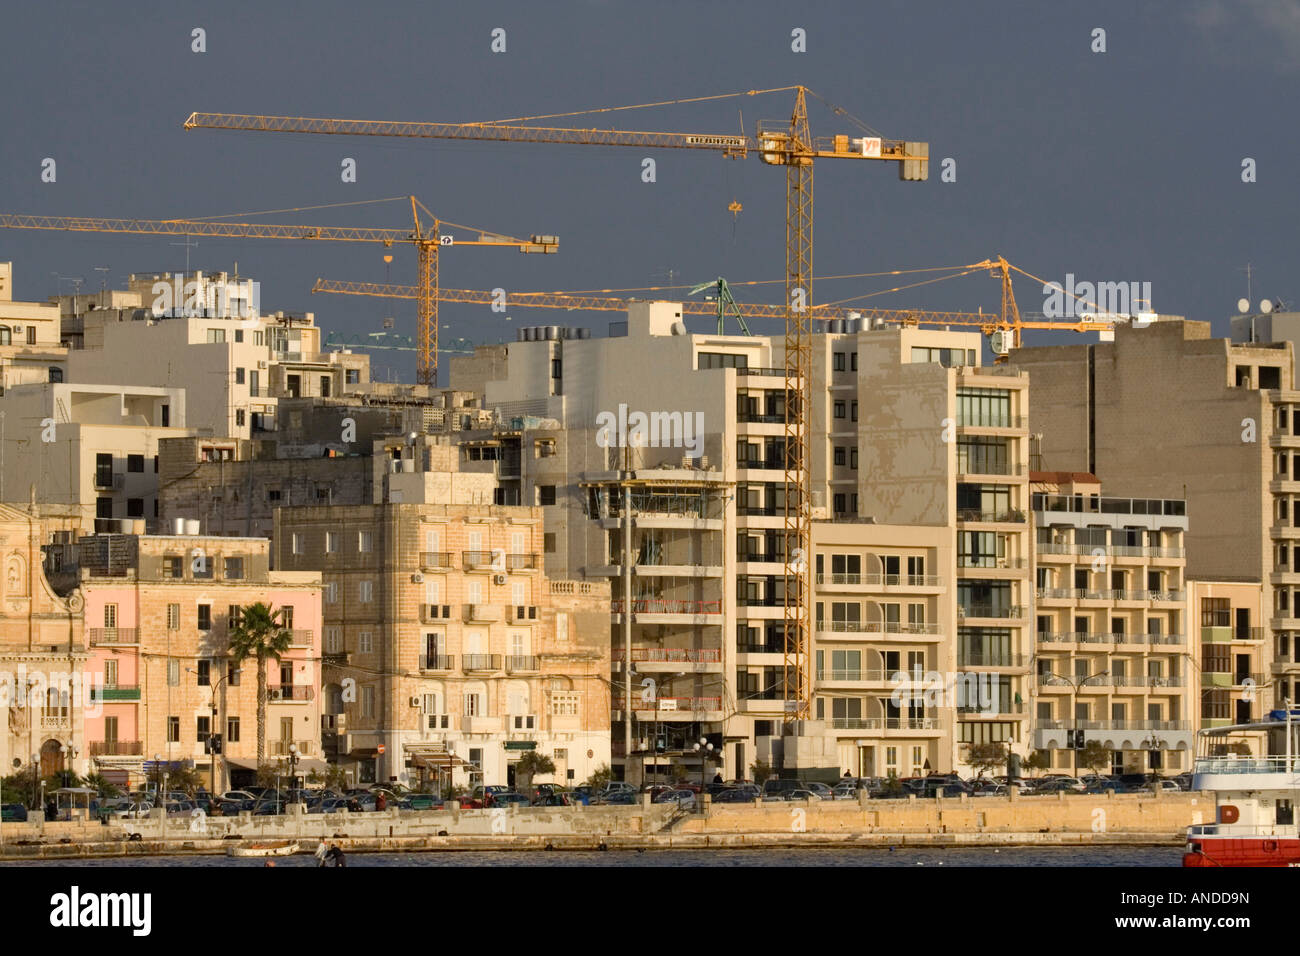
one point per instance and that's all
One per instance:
(427, 237)
(789, 144)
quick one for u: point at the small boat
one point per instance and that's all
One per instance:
(278, 848)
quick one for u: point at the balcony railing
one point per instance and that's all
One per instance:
(992, 421)
(671, 655)
(477, 559)
(1242, 764)
(997, 611)
(116, 748)
(1092, 504)
(667, 606)
(1014, 516)
(1104, 637)
(302, 637)
(113, 635)
(757, 370)
(883, 580)
(886, 723)
(991, 564)
(1112, 725)
(482, 662)
(522, 662)
(291, 692)
(877, 627)
(969, 659)
(437, 662)
(435, 559)
(521, 562)
(280, 748)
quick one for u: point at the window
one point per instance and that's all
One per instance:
(135, 463)
(239, 376)
(546, 494)
(948, 358)
(473, 704)
(365, 591)
(474, 592)
(166, 411)
(984, 407)
(232, 730)
(173, 616)
(840, 455)
(239, 418)
(331, 542)
(721, 360)
(984, 456)
(837, 361)
(295, 543)
(204, 674)
(352, 376)
(557, 368)
(232, 673)
(333, 640)
(331, 592)
(853, 409)
(839, 409)
(234, 569)
(239, 335)
(173, 730)
(564, 704)
(548, 542)
(363, 542)
(364, 644)
(205, 617)
(202, 728)
(367, 701)
(103, 507)
(216, 335)
(110, 615)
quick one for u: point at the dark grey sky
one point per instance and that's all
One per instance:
(1122, 166)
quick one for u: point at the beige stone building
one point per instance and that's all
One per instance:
(447, 647)
(31, 349)
(1116, 656)
(1240, 678)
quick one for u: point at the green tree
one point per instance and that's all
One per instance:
(986, 757)
(761, 770)
(1038, 760)
(599, 777)
(1095, 756)
(530, 765)
(260, 634)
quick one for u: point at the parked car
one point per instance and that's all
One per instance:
(510, 799)
(683, 798)
(778, 788)
(845, 791)
(553, 799)
(237, 795)
(13, 813)
(423, 801)
(733, 795)
(620, 798)
(1165, 785)
(328, 805)
(541, 789)
(995, 790)
(134, 811)
(822, 790)
(801, 794)
(484, 795)
(470, 802)
(1184, 781)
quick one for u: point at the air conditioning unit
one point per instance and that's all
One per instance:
(276, 693)
(417, 578)
(499, 579)
(415, 702)
(261, 363)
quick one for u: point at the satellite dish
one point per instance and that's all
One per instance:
(1243, 306)
(678, 328)
(1265, 306)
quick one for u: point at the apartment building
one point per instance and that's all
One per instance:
(1166, 410)
(31, 349)
(448, 651)
(90, 447)
(886, 446)
(885, 681)
(44, 672)
(1240, 677)
(1115, 655)
(158, 612)
(944, 441)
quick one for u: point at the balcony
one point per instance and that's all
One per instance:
(116, 748)
(437, 662)
(515, 663)
(521, 562)
(435, 560)
(336, 658)
(677, 704)
(878, 627)
(1018, 422)
(481, 662)
(56, 722)
(746, 370)
(884, 581)
(118, 692)
(302, 638)
(670, 655)
(280, 748)
(291, 692)
(667, 606)
(1232, 679)
(482, 613)
(113, 635)
(991, 660)
(482, 560)
(105, 481)
(1093, 504)
(904, 724)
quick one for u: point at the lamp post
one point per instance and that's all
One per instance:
(212, 730)
(70, 753)
(293, 770)
(1075, 684)
(36, 776)
(703, 748)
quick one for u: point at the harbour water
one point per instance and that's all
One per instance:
(1146, 856)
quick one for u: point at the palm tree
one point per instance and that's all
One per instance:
(259, 634)
(531, 764)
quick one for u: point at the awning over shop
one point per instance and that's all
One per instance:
(305, 764)
(440, 760)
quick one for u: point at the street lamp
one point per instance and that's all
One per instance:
(1075, 684)
(703, 748)
(70, 753)
(293, 770)
(36, 776)
(212, 730)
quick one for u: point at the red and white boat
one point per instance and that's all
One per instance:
(1254, 798)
